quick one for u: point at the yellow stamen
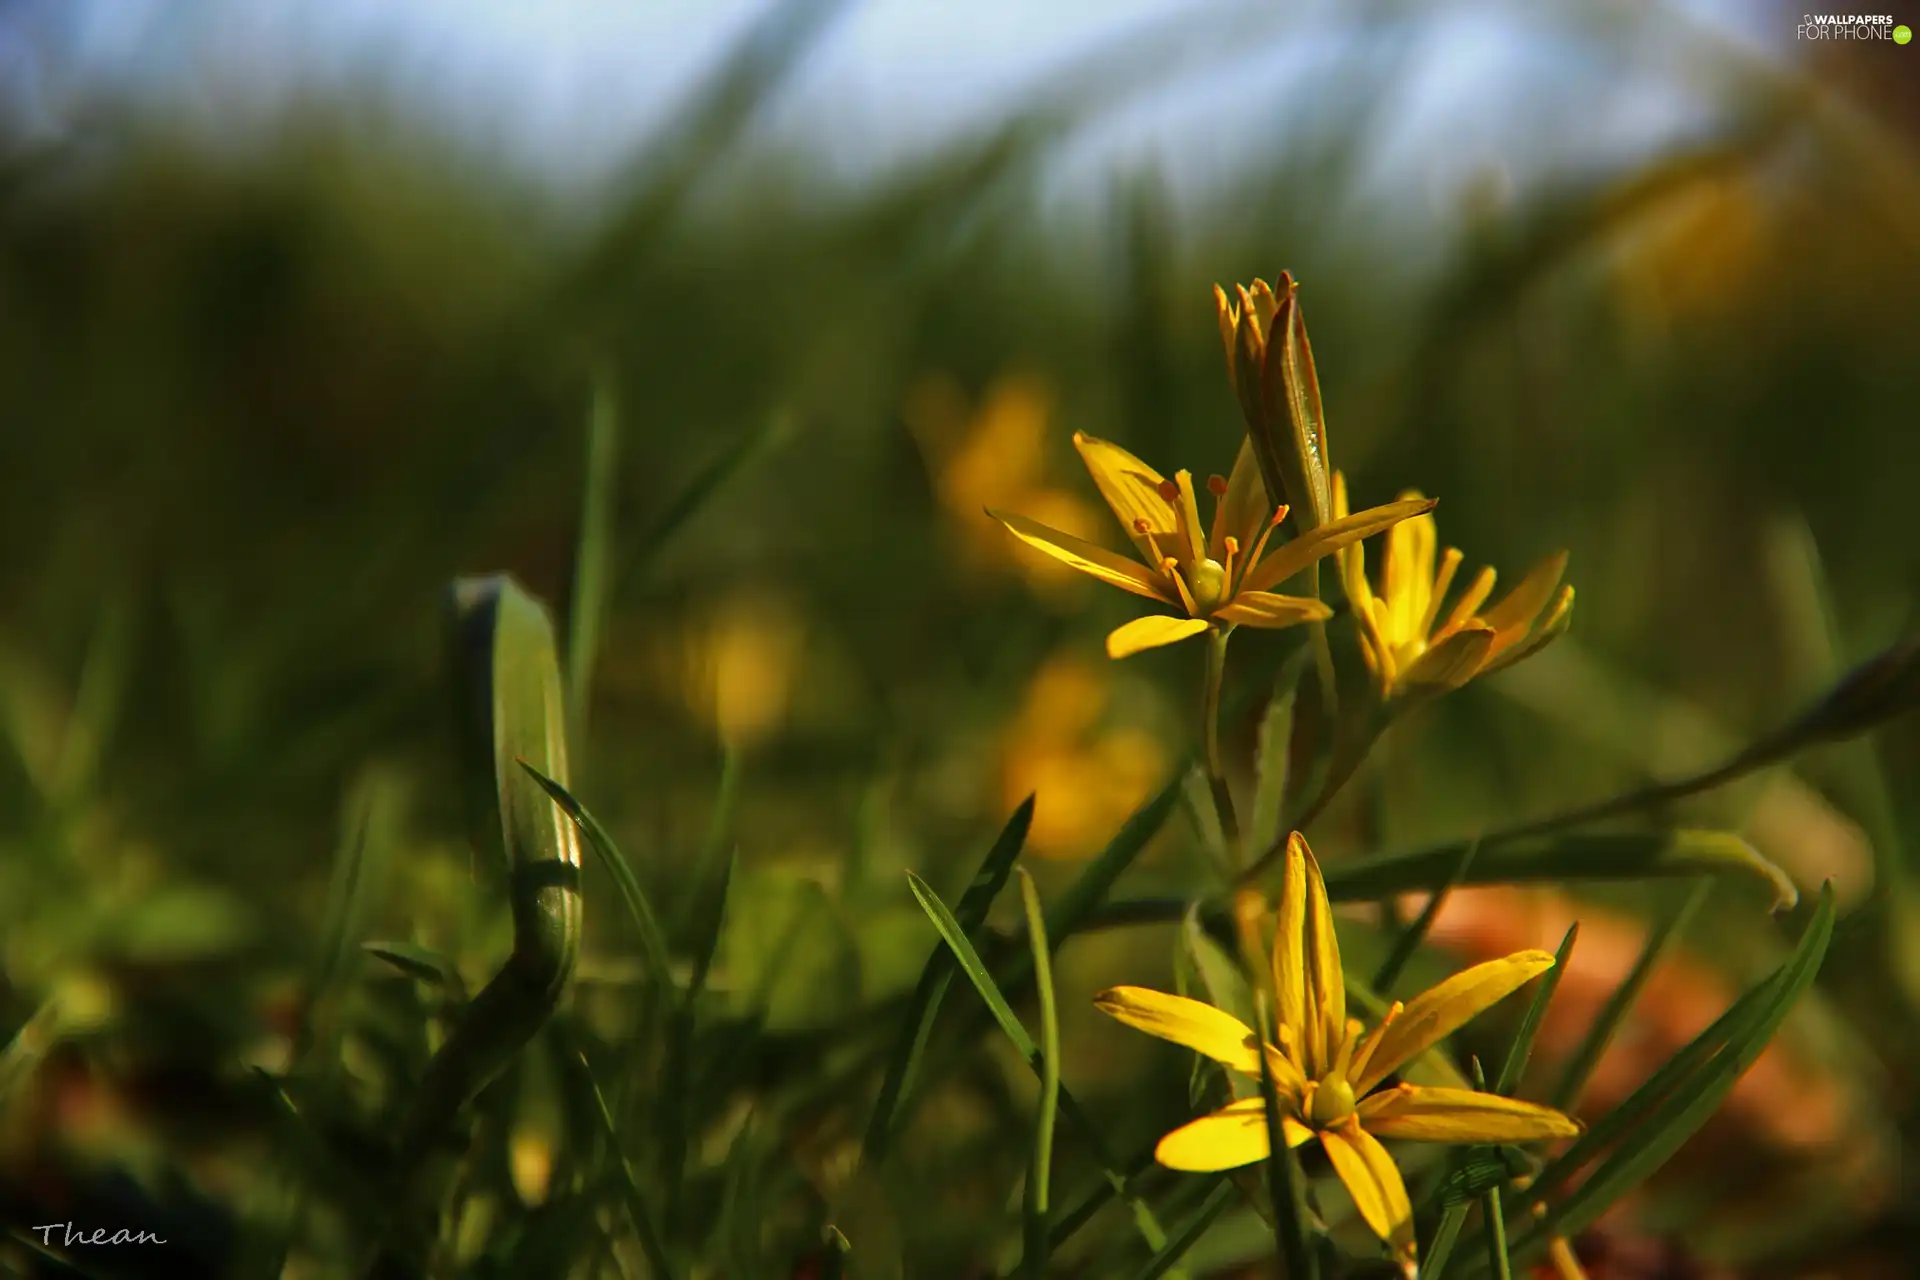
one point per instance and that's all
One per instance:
(1363, 1052)
(1260, 546)
(1232, 545)
(1171, 567)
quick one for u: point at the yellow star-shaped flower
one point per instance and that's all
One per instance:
(1398, 636)
(1328, 1070)
(1215, 577)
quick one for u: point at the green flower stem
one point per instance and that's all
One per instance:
(1210, 731)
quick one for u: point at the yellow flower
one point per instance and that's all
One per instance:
(1327, 1070)
(1216, 578)
(1270, 364)
(1398, 637)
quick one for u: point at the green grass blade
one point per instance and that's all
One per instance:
(1491, 1211)
(593, 553)
(1040, 1174)
(935, 977)
(693, 499)
(1609, 856)
(1010, 1024)
(1415, 934)
(421, 965)
(1271, 761)
(1660, 939)
(646, 922)
(1681, 1106)
(1190, 1232)
(1286, 1182)
(639, 1215)
(1445, 1235)
(1518, 1053)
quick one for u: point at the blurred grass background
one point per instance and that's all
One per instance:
(260, 401)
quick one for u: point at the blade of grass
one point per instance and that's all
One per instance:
(1276, 738)
(1415, 934)
(593, 552)
(1077, 905)
(1680, 1097)
(1286, 1182)
(1490, 1209)
(1445, 1235)
(1003, 1014)
(646, 922)
(1040, 1175)
(1611, 856)
(1660, 939)
(937, 975)
(1190, 1232)
(691, 500)
(1521, 1049)
(421, 965)
(639, 1216)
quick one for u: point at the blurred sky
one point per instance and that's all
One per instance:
(563, 90)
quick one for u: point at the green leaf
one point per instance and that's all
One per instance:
(639, 1215)
(1190, 1232)
(1671, 1106)
(420, 964)
(1660, 939)
(1545, 985)
(646, 922)
(1275, 744)
(1040, 1172)
(1611, 856)
(936, 975)
(1415, 934)
(977, 973)
(691, 500)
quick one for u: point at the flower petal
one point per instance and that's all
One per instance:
(1374, 1182)
(1269, 611)
(1407, 580)
(1326, 984)
(1519, 607)
(1453, 661)
(1290, 953)
(1242, 507)
(1330, 537)
(1233, 1136)
(1191, 1023)
(1151, 632)
(1460, 1115)
(1088, 558)
(1559, 617)
(1438, 1012)
(1131, 488)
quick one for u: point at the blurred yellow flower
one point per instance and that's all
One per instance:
(1216, 578)
(735, 669)
(995, 456)
(1326, 1069)
(1086, 780)
(1404, 648)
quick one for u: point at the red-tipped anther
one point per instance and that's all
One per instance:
(1142, 525)
(1217, 486)
(1280, 513)
(1170, 491)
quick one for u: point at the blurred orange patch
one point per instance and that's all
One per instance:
(994, 454)
(1088, 778)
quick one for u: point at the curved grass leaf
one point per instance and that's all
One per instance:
(1660, 940)
(1610, 856)
(1009, 1023)
(937, 974)
(1645, 1130)
(1040, 1173)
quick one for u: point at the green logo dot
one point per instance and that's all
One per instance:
(1902, 34)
